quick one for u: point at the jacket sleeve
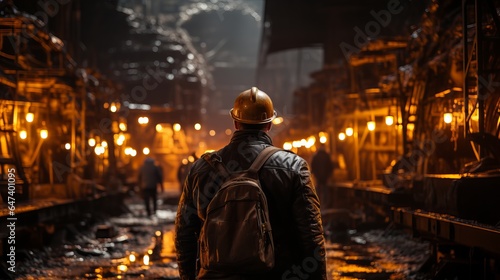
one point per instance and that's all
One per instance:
(187, 226)
(306, 211)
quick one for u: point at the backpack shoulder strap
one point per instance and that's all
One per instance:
(262, 158)
(216, 162)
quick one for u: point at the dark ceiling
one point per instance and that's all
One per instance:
(304, 23)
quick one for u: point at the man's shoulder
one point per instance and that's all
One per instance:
(287, 159)
(201, 162)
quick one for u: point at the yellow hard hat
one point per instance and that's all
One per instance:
(253, 106)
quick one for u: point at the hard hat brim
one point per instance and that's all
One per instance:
(253, 121)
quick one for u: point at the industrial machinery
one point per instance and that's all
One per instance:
(413, 125)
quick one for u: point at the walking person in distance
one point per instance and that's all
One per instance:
(150, 179)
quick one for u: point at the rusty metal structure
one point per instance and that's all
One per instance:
(69, 131)
(43, 95)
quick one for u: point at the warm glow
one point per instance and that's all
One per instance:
(67, 146)
(120, 140)
(372, 90)
(389, 120)
(228, 132)
(122, 268)
(145, 259)
(30, 117)
(99, 150)
(113, 108)
(287, 146)
(310, 141)
(323, 137)
(296, 144)
(91, 142)
(122, 126)
(104, 144)
(371, 125)
(475, 115)
(303, 142)
(159, 127)
(23, 134)
(342, 136)
(211, 132)
(145, 151)
(143, 120)
(448, 117)
(190, 159)
(197, 126)
(278, 120)
(410, 126)
(177, 127)
(130, 151)
(44, 134)
(131, 258)
(349, 131)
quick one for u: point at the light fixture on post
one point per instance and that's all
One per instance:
(323, 137)
(342, 136)
(349, 131)
(389, 120)
(92, 142)
(177, 127)
(448, 117)
(371, 125)
(448, 112)
(30, 117)
(44, 133)
(23, 134)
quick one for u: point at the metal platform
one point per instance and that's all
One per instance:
(373, 192)
(449, 228)
(50, 211)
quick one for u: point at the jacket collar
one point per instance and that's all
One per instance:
(251, 136)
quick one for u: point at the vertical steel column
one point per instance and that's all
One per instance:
(475, 53)
(466, 64)
(480, 69)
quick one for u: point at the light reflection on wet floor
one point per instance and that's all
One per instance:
(143, 248)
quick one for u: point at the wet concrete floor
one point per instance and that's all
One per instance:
(132, 246)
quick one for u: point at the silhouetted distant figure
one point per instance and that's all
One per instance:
(182, 172)
(150, 177)
(322, 169)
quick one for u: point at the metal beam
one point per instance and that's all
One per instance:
(446, 227)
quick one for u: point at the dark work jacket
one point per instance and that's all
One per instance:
(293, 209)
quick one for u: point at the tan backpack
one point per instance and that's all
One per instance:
(236, 235)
